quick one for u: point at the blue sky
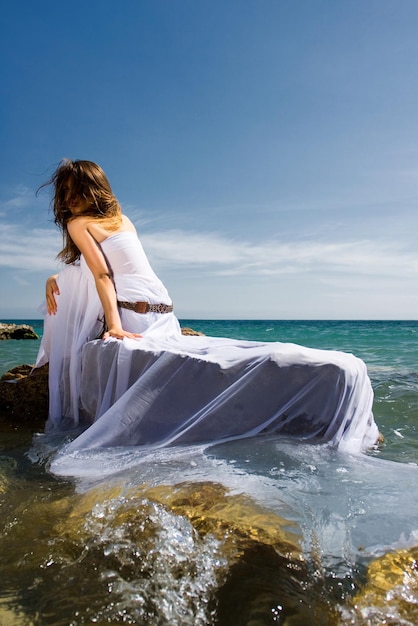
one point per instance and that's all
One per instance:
(265, 149)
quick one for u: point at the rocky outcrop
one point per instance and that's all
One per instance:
(24, 396)
(17, 331)
(190, 332)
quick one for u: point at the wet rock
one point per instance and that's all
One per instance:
(24, 396)
(17, 331)
(391, 579)
(238, 562)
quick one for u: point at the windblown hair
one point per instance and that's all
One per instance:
(85, 181)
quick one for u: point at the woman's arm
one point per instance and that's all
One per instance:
(51, 290)
(78, 231)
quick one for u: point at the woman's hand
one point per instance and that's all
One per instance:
(51, 290)
(119, 333)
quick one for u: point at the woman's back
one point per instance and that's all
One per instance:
(100, 228)
(133, 275)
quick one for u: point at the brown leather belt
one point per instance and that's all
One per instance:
(146, 307)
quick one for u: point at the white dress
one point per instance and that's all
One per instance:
(168, 389)
(79, 318)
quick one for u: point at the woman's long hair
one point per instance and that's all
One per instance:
(83, 181)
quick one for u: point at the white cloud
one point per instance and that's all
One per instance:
(34, 250)
(29, 250)
(22, 198)
(232, 257)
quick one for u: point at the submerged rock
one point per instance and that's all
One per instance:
(391, 580)
(17, 331)
(184, 549)
(149, 555)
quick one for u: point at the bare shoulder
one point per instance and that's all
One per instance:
(128, 224)
(99, 229)
(78, 224)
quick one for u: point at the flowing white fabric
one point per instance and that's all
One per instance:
(167, 389)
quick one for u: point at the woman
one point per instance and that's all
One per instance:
(108, 287)
(147, 384)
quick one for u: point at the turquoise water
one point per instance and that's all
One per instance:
(16, 352)
(262, 531)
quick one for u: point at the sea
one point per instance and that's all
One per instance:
(259, 531)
